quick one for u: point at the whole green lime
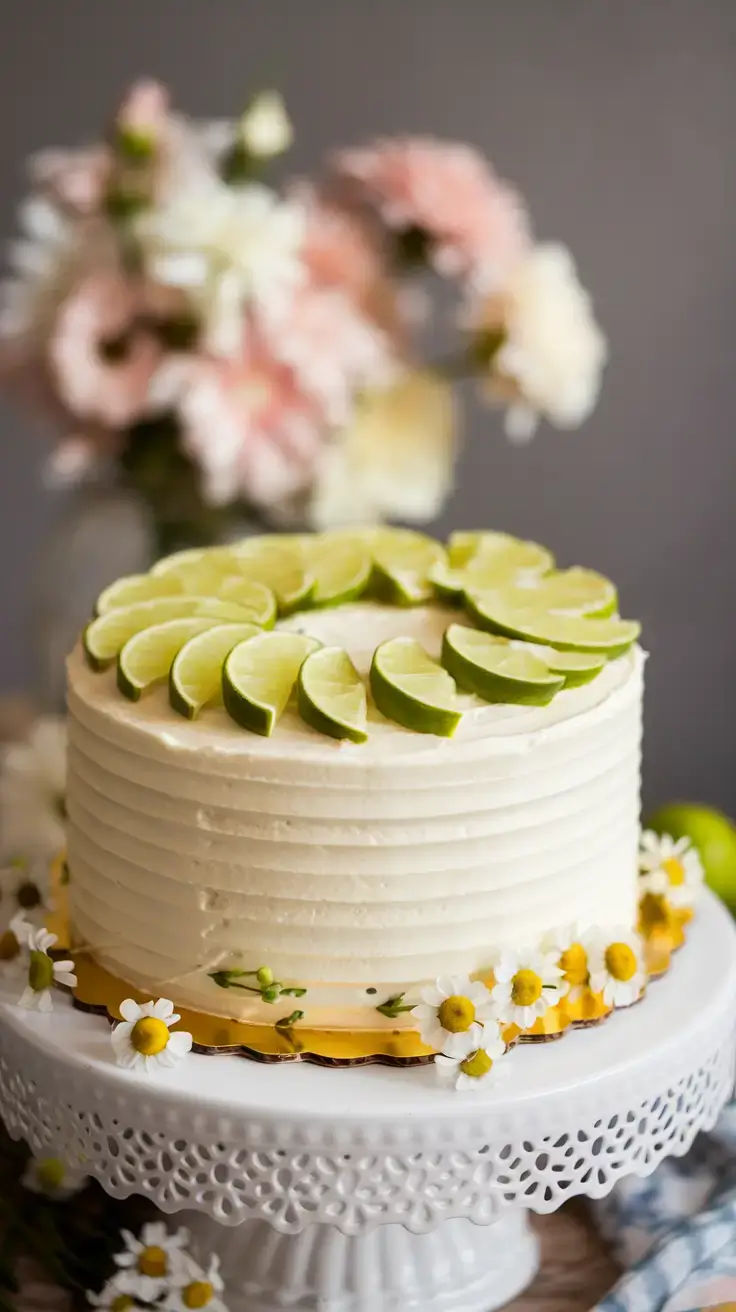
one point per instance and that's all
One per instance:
(712, 833)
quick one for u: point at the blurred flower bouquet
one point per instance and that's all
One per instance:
(220, 346)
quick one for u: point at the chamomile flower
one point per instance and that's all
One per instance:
(449, 1010)
(12, 941)
(144, 1038)
(527, 983)
(197, 1287)
(43, 973)
(670, 867)
(567, 943)
(52, 1178)
(149, 1265)
(26, 884)
(112, 1297)
(616, 965)
(477, 1063)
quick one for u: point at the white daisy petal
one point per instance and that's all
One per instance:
(130, 1011)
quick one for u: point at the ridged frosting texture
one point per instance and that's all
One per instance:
(198, 846)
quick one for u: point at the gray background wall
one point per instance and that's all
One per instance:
(618, 121)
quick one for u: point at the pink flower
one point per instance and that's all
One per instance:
(76, 180)
(341, 248)
(144, 112)
(478, 225)
(247, 422)
(102, 358)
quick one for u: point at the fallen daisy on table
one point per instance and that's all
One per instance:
(670, 868)
(478, 1064)
(144, 1038)
(196, 1287)
(450, 1009)
(12, 941)
(149, 1265)
(52, 1178)
(527, 984)
(615, 958)
(43, 973)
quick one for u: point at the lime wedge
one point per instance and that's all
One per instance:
(576, 667)
(474, 545)
(331, 695)
(412, 689)
(610, 637)
(483, 561)
(402, 562)
(259, 676)
(341, 567)
(147, 657)
(105, 637)
(190, 556)
(136, 587)
(573, 591)
(495, 670)
(280, 566)
(195, 680)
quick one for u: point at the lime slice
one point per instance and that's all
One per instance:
(259, 676)
(190, 556)
(402, 563)
(412, 689)
(341, 567)
(105, 637)
(136, 587)
(466, 546)
(483, 561)
(147, 657)
(196, 674)
(495, 670)
(281, 567)
(573, 591)
(576, 667)
(610, 637)
(331, 695)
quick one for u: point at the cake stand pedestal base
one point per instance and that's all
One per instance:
(457, 1267)
(371, 1189)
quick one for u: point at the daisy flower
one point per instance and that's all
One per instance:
(32, 791)
(149, 1264)
(43, 973)
(451, 1009)
(567, 943)
(196, 1287)
(670, 867)
(52, 1178)
(12, 941)
(527, 983)
(616, 965)
(112, 1296)
(26, 884)
(477, 1063)
(143, 1037)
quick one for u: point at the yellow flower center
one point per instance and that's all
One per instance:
(654, 913)
(476, 1065)
(121, 1303)
(50, 1172)
(526, 988)
(574, 964)
(149, 1036)
(153, 1262)
(198, 1294)
(40, 971)
(674, 870)
(620, 961)
(456, 1014)
(9, 946)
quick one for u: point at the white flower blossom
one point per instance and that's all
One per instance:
(265, 128)
(617, 971)
(527, 984)
(149, 1265)
(449, 1009)
(43, 973)
(143, 1037)
(670, 868)
(478, 1062)
(53, 1178)
(32, 792)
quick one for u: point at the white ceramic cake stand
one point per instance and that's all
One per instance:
(373, 1189)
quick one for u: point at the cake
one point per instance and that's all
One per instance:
(294, 876)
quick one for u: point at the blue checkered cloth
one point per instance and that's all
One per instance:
(675, 1232)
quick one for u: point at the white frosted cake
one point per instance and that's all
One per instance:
(218, 865)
